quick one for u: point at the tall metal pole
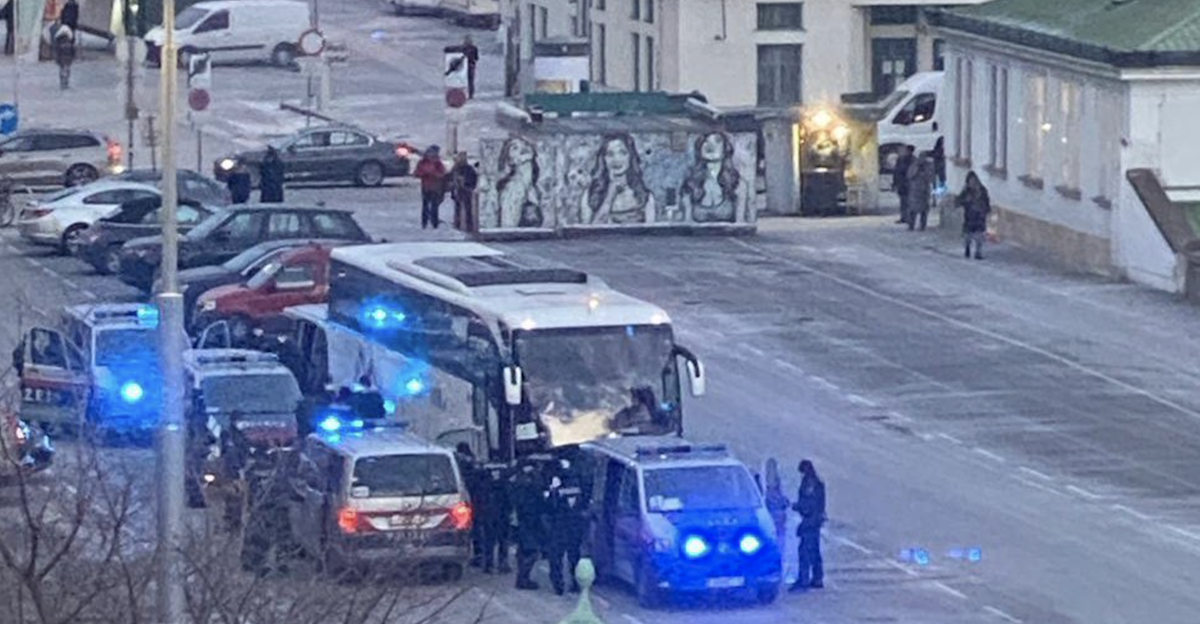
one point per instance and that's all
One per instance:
(171, 434)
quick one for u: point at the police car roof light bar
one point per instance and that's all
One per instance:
(681, 449)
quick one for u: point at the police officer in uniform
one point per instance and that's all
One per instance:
(494, 511)
(565, 521)
(529, 503)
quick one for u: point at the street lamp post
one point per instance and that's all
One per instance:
(171, 433)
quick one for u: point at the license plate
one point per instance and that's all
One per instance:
(42, 395)
(726, 582)
(408, 522)
(410, 535)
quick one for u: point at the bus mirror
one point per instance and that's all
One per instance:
(695, 371)
(513, 380)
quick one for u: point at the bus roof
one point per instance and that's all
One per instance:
(520, 291)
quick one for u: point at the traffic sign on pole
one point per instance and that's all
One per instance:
(199, 95)
(9, 119)
(455, 73)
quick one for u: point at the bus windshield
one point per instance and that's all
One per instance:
(587, 382)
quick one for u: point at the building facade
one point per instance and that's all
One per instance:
(1053, 107)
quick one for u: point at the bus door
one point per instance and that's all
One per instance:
(55, 382)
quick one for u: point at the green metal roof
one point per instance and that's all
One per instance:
(1126, 33)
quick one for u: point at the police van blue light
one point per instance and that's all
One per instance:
(132, 392)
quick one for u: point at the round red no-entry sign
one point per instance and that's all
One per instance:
(199, 99)
(456, 98)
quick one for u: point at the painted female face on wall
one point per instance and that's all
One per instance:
(616, 158)
(519, 152)
(713, 148)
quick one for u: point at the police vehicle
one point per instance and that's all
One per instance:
(249, 390)
(374, 496)
(99, 369)
(673, 517)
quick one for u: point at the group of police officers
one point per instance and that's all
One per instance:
(540, 506)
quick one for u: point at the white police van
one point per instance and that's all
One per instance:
(671, 517)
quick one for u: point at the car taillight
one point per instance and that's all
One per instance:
(22, 433)
(403, 151)
(348, 520)
(114, 152)
(461, 515)
(35, 213)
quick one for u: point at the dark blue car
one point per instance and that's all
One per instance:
(676, 518)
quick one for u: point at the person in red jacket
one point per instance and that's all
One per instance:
(432, 174)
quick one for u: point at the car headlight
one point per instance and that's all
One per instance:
(227, 164)
(695, 547)
(208, 306)
(749, 544)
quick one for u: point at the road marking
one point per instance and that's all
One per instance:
(977, 329)
(949, 438)
(1041, 475)
(1133, 512)
(754, 350)
(1002, 615)
(1183, 532)
(1084, 493)
(821, 381)
(861, 400)
(900, 417)
(788, 365)
(70, 283)
(949, 590)
(903, 568)
(1040, 486)
(89, 294)
(852, 544)
(988, 454)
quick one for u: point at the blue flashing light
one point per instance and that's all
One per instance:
(389, 406)
(749, 544)
(975, 555)
(380, 316)
(132, 392)
(330, 424)
(695, 547)
(414, 386)
(148, 316)
(921, 556)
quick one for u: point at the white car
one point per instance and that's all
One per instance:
(59, 218)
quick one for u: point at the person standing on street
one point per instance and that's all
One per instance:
(920, 191)
(471, 478)
(432, 174)
(900, 180)
(271, 174)
(239, 184)
(566, 520)
(64, 53)
(976, 207)
(777, 502)
(463, 181)
(472, 54)
(810, 503)
(494, 510)
(69, 15)
(529, 502)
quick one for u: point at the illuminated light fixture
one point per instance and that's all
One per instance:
(593, 303)
(658, 318)
(528, 324)
(822, 118)
(749, 544)
(379, 315)
(389, 406)
(348, 520)
(330, 424)
(1047, 127)
(209, 477)
(921, 556)
(461, 515)
(227, 164)
(695, 547)
(841, 133)
(132, 392)
(414, 386)
(147, 315)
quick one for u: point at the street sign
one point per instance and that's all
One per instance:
(199, 71)
(312, 42)
(9, 119)
(455, 68)
(456, 98)
(199, 99)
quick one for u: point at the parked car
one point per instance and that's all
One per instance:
(295, 277)
(196, 281)
(236, 31)
(192, 185)
(328, 154)
(48, 158)
(100, 244)
(234, 229)
(60, 219)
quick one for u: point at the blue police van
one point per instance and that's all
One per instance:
(674, 518)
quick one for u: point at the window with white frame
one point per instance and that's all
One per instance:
(1037, 126)
(964, 94)
(998, 118)
(1070, 109)
(1109, 128)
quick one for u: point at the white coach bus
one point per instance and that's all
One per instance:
(513, 353)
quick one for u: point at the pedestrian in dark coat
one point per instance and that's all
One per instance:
(920, 191)
(900, 180)
(432, 174)
(64, 53)
(566, 521)
(239, 184)
(777, 502)
(472, 54)
(494, 511)
(529, 503)
(271, 174)
(810, 503)
(69, 15)
(463, 181)
(976, 207)
(469, 468)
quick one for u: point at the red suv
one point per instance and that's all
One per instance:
(297, 277)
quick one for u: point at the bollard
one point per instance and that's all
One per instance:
(585, 575)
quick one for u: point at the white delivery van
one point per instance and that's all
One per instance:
(237, 30)
(476, 13)
(917, 118)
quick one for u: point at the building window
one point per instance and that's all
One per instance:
(600, 50)
(600, 5)
(543, 22)
(964, 91)
(1070, 110)
(781, 16)
(533, 23)
(650, 11)
(779, 75)
(1037, 125)
(1109, 129)
(635, 9)
(650, 63)
(580, 24)
(998, 117)
(637, 61)
(893, 15)
(939, 55)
